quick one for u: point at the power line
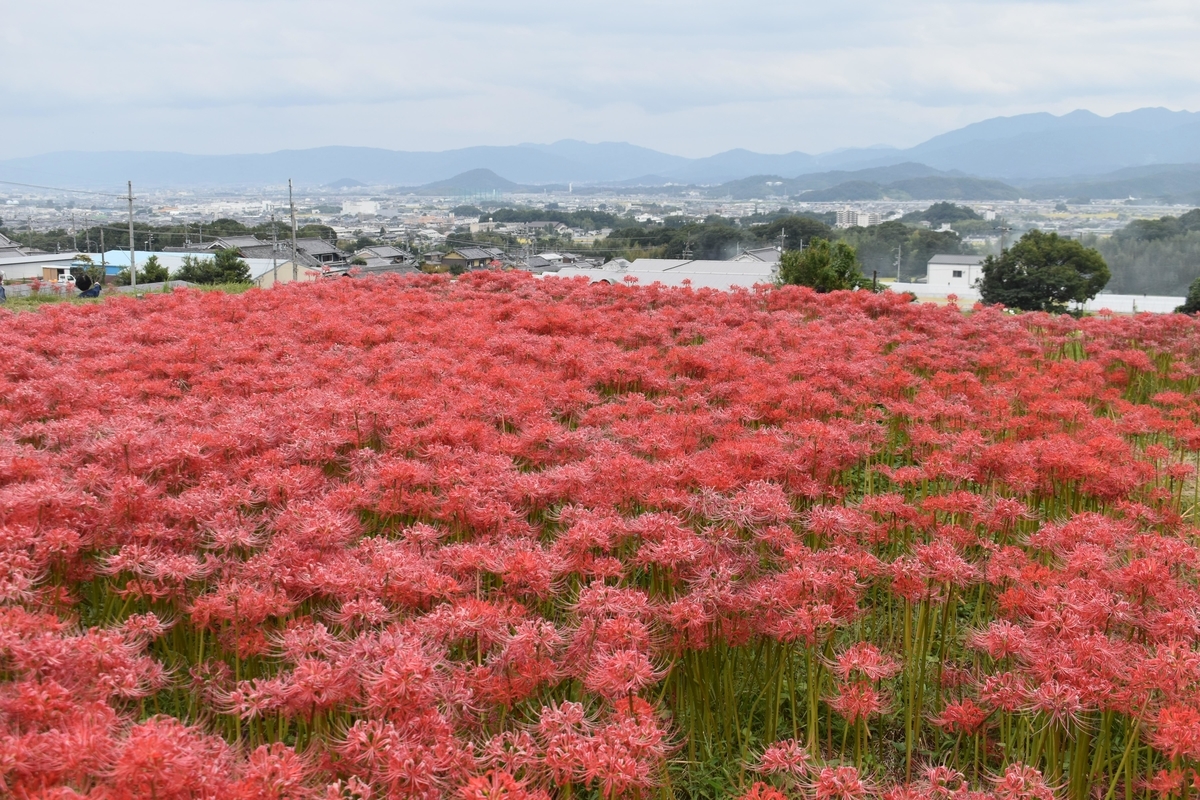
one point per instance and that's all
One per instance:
(60, 189)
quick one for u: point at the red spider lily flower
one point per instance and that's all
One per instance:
(273, 772)
(1059, 702)
(499, 785)
(620, 674)
(1001, 639)
(858, 701)
(866, 660)
(761, 791)
(786, 757)
(961, 717)
(163, 758)
(1176, 732)
(943, 782)
(1021, 782)
(840, 783)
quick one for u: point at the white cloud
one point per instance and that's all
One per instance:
(687, 77)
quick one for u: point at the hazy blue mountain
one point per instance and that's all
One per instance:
(734, 164)
(763, 186)
(1025, 148)
(470, 182)
(1034, 146)
(933, 187)
(597, 162)
(1171, 183)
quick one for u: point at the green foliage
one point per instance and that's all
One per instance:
(467, 211)
(1192, 304)
(1154, 256)
(1162, 228)
(149, 272)
(226, 267)
(877, 247)
(1043, 272)
(588, 220)
(717, 239)
(90, 268)
(310, 231)
(824, 266)
(940, 213)
(800, 230)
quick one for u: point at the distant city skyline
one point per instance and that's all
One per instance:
(691, 79)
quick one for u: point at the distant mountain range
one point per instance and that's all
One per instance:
(1030, 150)
(1170, 183)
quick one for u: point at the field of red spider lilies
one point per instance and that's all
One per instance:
(505, 538)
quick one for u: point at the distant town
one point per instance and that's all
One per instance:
(369, 230)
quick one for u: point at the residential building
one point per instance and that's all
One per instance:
(368, 207)
(384, 255)
(853, 218)
(954, 272)
(10, 249)
(471, 258)
(322, 251)
(21, 263)
(766, 255)
(266, 275)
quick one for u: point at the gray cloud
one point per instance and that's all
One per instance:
(688, 77)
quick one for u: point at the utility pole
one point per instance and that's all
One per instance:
(103, 263)
(132, 257)
(292, 203)
(899, 251)
(274, 253)
(782, 239)
(1004, 238)
(74, 240)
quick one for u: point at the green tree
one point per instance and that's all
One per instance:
(799, 230)
(940, 213)
(226, 267)
(150, 272)
(1192, 304)
(1043, 272)
(90, 267)
(822, 266)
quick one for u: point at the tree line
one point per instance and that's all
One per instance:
(1153, 256)
(156, 237)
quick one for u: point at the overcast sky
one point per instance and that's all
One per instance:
(691, 77)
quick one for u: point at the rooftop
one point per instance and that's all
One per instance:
(969, 261)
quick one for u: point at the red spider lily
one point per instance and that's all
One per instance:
(621, 674)
(162, 758)
(1177, 732)
(502, 536)
(499, 785)
(761, 791)
(273, 772)
(840, 783)
(858, 702)
(785, 758)
(962, 717)
(865, 660)
(1021, 782)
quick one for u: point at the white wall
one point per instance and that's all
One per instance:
(29, 267)
(942, 276)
